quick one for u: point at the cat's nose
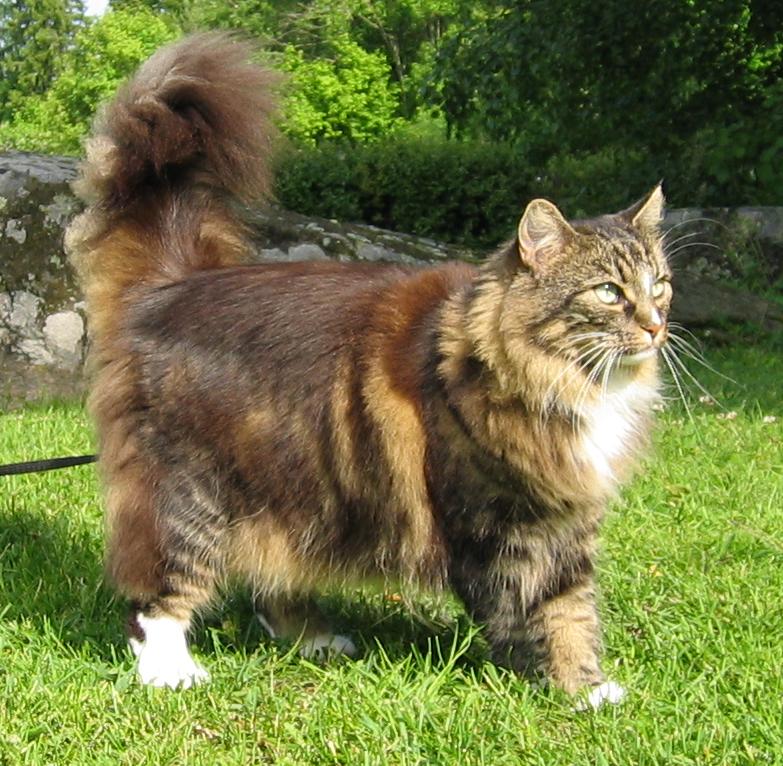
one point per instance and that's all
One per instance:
(654, 328)
(651, 321)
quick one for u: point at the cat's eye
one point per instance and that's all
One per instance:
(608, 293)
(659, 288)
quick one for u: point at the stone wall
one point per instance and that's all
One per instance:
(42, 322)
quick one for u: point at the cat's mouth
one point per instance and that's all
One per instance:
(631, 360)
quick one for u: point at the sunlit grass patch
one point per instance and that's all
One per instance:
(691, 575)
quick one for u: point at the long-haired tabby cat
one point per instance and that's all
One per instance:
(311, 423)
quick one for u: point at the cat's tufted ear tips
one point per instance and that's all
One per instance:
(647, 213)
(543, 233)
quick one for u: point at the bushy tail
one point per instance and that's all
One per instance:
(184, 140)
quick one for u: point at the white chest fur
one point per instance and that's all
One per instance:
(611, 423)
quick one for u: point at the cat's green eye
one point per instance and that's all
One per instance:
(608, 293)
(659, 288)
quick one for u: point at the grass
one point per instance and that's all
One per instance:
(691, 575)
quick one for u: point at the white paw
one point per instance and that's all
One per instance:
(182, 673)
(164, 659)
(608, 691)
(325, 644)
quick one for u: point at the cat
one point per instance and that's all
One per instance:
(298, 425)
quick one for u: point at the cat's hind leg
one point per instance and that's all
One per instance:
(165, 555)
(299, 618)
(159, 642)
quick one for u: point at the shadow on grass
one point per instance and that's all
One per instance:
(373, 621)
(51, 576)
(430, 626)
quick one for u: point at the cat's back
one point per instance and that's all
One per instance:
(291, 302)
(288, 331)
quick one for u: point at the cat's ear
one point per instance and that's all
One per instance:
(647, 213)
(543, 233)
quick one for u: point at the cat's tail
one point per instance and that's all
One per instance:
(185, 140)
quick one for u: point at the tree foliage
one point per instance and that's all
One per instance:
(258, 19)
(403, 32)
(596, 99)
(674, 79)
(350, 61)
(349, 95)
(103, 55)
(599, 71)
(173, 8)
(33, 36)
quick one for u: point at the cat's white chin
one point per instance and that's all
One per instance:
(631, 360)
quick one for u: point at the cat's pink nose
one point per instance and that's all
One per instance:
(654, 328)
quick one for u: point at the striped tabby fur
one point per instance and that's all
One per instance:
(312, 423)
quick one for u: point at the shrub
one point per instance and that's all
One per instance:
(471, 192)
(467, 193)
(592, 183)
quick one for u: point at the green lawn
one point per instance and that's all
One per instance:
(691, 576)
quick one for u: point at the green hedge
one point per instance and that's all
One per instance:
(472, 193)
(469, 193)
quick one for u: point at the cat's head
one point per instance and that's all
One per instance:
(597, 290)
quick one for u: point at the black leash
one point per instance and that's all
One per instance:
(52, 464)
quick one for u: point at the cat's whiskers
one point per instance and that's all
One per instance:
(682, 328)
(577, 414)
(576, 340)
(586, 356)
(581, 358)
(587, 386)
(692, 351)
(681, 238)
(675, 253)
(668, 354)
(610, 365)
(699, 219)
(684, 369)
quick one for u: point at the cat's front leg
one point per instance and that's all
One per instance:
(563, 635)
(541, 625)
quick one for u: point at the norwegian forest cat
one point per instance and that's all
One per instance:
(311, 423)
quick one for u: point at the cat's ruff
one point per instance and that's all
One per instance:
(612, 421)
(293, 425)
